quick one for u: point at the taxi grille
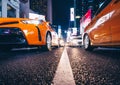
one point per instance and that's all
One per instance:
(11, 36)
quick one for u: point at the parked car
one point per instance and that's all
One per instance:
(55, 38)
(20, 32)
(61, 42)
(75, 40)
(104, 29)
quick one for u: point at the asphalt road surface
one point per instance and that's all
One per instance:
(28, 67)
(35, 67)
(100, 67)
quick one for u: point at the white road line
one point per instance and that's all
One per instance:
(64, 75)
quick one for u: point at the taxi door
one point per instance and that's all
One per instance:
(115, 22)
(101, 29)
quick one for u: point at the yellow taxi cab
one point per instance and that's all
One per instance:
(20, 32)
(104, 29)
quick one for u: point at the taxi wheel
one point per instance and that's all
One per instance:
(48, 45)
(87, 45)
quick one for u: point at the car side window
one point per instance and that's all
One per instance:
(116, 1)
(103, 5)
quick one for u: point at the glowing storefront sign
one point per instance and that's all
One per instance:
(72, 18)
(74, 31)
(86, 19)
(59, 31)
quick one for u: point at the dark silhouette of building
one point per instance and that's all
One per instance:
(39, 6)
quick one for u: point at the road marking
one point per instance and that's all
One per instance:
(64, 75)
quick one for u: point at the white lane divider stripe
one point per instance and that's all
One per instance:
(64, 75)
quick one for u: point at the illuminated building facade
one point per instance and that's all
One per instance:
(21, 8)
(9, 8)
(43, 7)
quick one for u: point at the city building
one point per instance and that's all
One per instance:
(39, 6)
(43, 7)
(22, 8)
(9, 8)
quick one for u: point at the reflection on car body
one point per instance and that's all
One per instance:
(104, 28)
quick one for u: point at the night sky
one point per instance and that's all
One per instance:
(61, 12)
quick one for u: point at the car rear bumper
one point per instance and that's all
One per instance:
(12, 37)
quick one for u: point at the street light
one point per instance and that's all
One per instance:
(77, 17)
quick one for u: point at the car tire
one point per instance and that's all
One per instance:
(87, 43)
(48, 46)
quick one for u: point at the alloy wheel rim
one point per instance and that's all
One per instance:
(48, 41)
(86, 42)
